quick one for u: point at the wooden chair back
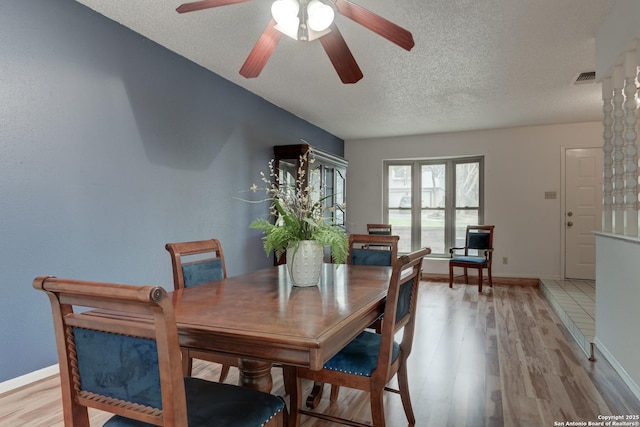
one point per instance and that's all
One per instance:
(379, 229)
(478, 238)
(399, 311)
(370, 249)
(197, 262)
(97, 369)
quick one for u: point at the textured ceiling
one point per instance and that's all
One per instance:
(476, 64)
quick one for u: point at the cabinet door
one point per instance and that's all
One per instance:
(287, 174)
(316, 181)
(334, 185)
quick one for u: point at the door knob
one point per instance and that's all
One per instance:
(569, 213)
(569, 224)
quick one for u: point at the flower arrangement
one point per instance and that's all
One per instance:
(298, 215)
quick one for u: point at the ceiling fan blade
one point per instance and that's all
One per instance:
(206, 4)
(387, 29)
(261, 52)
(340, 56)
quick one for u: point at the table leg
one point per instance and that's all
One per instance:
(255, 374)
(315, 395)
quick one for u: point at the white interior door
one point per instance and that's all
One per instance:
(583, 210)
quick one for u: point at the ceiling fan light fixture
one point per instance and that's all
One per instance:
(320, 15)
(309, 20)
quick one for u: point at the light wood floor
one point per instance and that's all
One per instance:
(501, 358)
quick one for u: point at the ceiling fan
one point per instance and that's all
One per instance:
(310, 20)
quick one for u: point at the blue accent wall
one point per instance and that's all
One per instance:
(110, 147)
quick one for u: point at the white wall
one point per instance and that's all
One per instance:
(617, 296)
(520, 165)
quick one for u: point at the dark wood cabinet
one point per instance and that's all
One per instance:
(326, 174)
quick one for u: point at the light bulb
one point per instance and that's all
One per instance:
(285, 13)
(284, 10)
(320, 15)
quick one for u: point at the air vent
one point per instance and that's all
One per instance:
(587, 77)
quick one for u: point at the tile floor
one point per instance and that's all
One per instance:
(574, 301)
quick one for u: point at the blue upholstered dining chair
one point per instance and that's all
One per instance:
(364, 249)
(371, 359)
(477, 254)
(124, 358)
(193, 264)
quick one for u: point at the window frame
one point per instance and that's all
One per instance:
(450, 196)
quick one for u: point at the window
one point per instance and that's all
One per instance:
(431, 202)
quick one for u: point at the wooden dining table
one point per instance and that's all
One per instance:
(262, 319)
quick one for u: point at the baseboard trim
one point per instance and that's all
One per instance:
(618, 368)
(31, 377)
(517, 281)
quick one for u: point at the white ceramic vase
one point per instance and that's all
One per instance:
(305, 263)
